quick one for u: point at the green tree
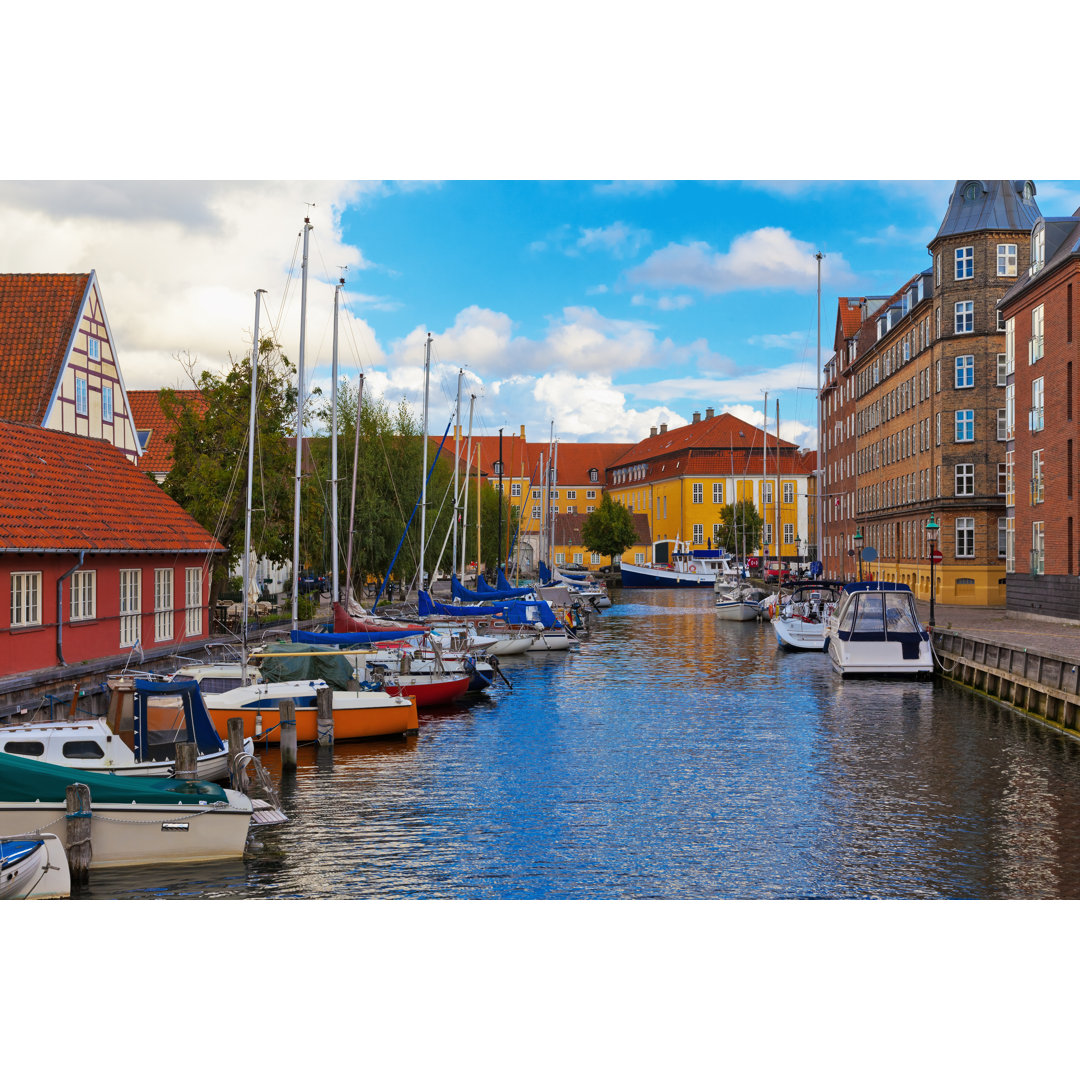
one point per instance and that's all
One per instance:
(209, 473)
(609, 530)
(740, 527)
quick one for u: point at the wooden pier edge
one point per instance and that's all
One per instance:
(1042, 686)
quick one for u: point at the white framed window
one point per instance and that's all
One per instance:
(718, 492)
(1010, 477)
(788, 491)
(571, 509)
(1038, 547)
(1006, 260)
(107, 403)
(699, 534)
(1002, 425)
(767, 532)
(965, 538)
(594, 475)
(579, 558)
(590, 494)
(590, 509)
(1002, 478)
(1036, 344)
(571, 494)
(1010, 412)
(83, 595)
(81, 399)
(555, 494)
(93, 348)
(1035, 417)
(1038, 250)
(26, 599)
(1037, 488)
(965, 425)
(515, 489)
(1000, 321)
(964, 317)
(766, 493)
(130, 607)
(1003, 537)
(965, 263)
(964, 480)
(594, 558)
(1010, 546)
(789, 533)
(560, 558)
(698, 495)
(1010, 346)
(639, 558)
(163, 604)
(193, 601)
(1002, 368)
(965, 372)
(536, 511)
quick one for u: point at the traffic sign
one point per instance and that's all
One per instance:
(936, 556)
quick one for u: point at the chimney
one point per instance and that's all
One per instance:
(523, 431)
(708, 414)
(697, 418)
(663, 429)
(652, 433)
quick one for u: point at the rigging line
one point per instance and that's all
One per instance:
(290, 279)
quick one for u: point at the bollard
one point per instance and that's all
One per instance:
(79, 819)
(324, 697)
(236, 748)
(287, 732)
(186, 766)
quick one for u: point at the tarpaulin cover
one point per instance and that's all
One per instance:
(484, 593)
(326, 662)
(24, 780)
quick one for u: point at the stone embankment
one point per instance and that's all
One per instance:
(1027, 662)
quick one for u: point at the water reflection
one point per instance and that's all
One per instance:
(673, 755)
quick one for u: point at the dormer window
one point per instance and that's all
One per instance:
(1029, 190)
(1038, 249)
(594, 475)
(972, 191)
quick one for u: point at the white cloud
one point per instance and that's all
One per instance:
(795, 339)
(768, 258)
(662, 303)
(620, 239)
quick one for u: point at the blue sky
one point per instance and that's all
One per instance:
(603, 308)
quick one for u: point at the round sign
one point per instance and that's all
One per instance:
(936, 556)
(851, 553)
(869, 554)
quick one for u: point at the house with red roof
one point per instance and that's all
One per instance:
(58, 362)
(156, 430)
(96, 561)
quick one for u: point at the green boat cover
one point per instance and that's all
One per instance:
(24, 780)
(327, 663)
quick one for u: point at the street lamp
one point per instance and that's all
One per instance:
(857, 538)
(798, 555)
(931, 536)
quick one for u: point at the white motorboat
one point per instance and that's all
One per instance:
(875, 630)
(740, 603)
(801, 615)
(688, 568)
(137, 738)
(33, 867)
(134, 821)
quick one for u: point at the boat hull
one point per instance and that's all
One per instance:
(657, 577)
(879, 659)
(372, 722)
(797, 634)
(127, 834)
(428, 691)
(737, 611)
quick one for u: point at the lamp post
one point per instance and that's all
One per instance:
(931, 536)
(798, 555)
(857, 538)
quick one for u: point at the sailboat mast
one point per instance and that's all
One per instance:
(251, 472)
(299, 432)
(423, 487)
(764, 466)
(819, 555)
(335, 586)
(352, 505)
(776, 501)
(465, 487)
(457, 466)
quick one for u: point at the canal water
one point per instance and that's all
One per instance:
(671, 756)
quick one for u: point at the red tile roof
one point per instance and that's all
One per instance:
(148, 415)
(62, 492)
(567, 529)
(38, 313)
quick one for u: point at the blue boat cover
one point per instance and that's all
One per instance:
(360, 637)
(545, 574)
(198, 728)
(516, 611)
(484, 592)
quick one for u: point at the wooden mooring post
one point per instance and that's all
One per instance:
(186, 766)
(235, 727)
(324, 699)
(287, 732)
(77, 842)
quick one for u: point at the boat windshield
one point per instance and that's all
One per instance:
(899, 614)
(868, 614)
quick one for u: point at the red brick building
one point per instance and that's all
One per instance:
(1042, 555)
(95, 560)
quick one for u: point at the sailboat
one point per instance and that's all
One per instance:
(356, 714)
